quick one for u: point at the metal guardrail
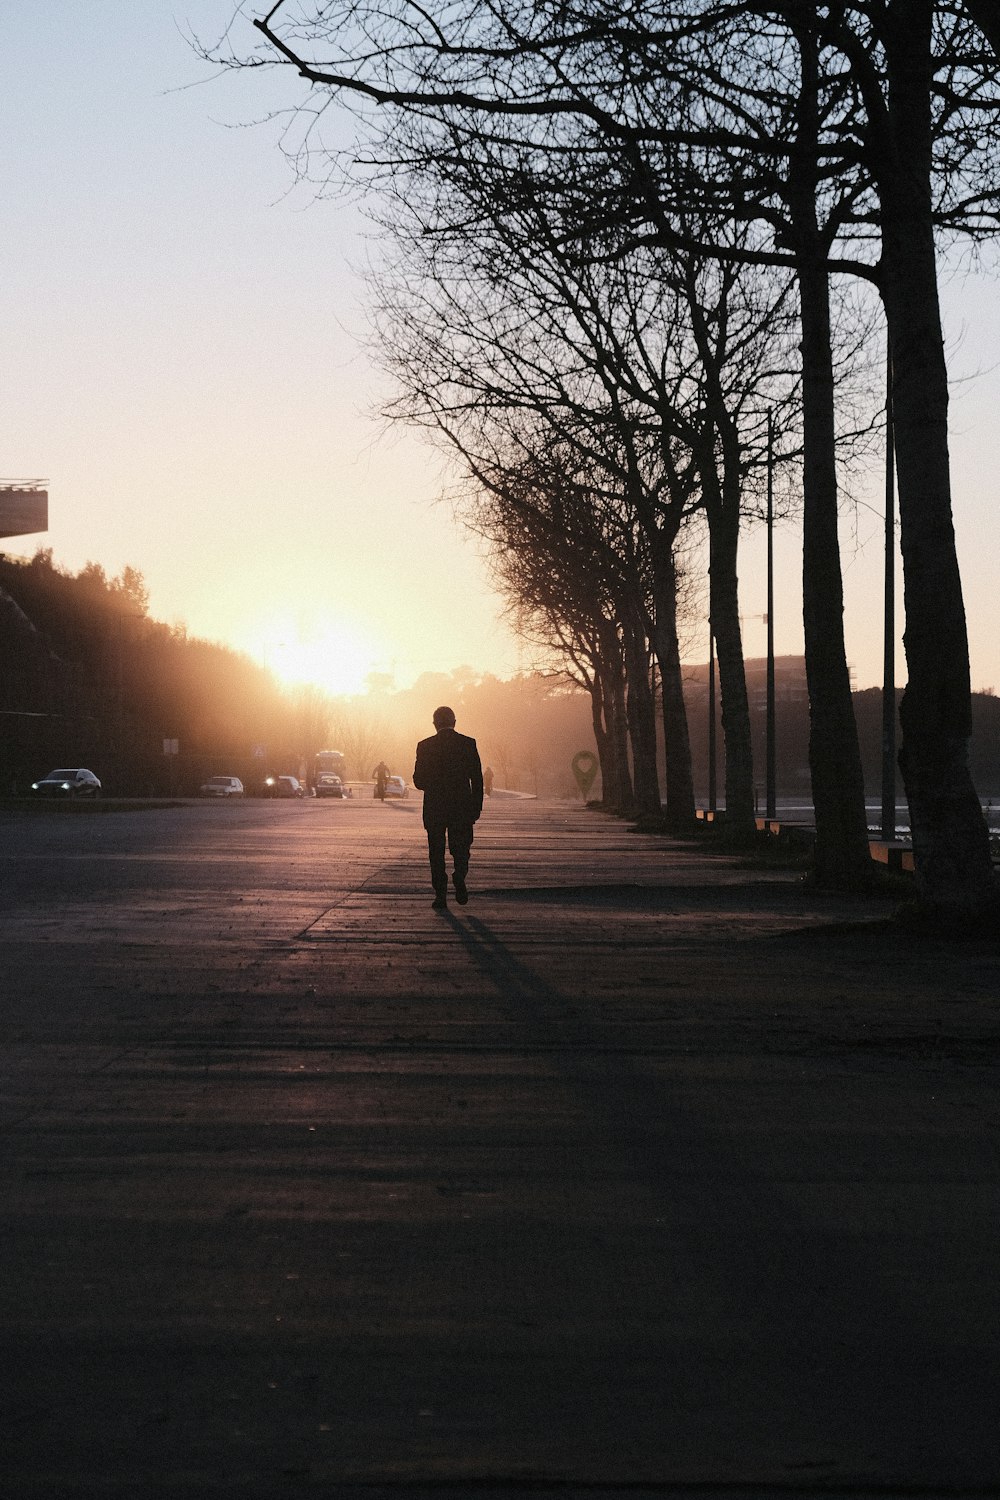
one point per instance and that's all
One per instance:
(895, 855)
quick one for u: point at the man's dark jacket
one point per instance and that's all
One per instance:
(450, 775)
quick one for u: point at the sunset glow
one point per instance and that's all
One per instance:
(335, 655)
(196, 425)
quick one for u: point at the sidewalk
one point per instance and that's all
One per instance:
(645, 1171)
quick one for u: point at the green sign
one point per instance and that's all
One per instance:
(584, 769)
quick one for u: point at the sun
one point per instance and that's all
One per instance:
(335, 655)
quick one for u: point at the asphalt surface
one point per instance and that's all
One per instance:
(647, 1172)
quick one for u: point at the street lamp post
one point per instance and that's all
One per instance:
(771, 751)
(712, 794)
(889, 625)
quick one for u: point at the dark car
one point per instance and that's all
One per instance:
(77, 782)
(283, 786)
(329, 785)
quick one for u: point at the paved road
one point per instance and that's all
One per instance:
(642, 1170)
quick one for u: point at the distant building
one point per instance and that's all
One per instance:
(791, 697)
(24, 507)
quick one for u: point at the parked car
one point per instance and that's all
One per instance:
(74, 783)
(396, 787)
(329, 785)
(222, 786)
(283, 786)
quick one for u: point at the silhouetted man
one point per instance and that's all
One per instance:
(449, 773)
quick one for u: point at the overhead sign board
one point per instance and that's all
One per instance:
(23, 509)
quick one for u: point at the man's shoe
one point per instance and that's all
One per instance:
(461, 893)
(440, 903)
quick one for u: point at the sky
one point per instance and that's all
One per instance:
(186, 368)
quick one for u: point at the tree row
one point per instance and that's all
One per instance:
(635, 248)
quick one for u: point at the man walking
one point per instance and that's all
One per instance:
(449, 773)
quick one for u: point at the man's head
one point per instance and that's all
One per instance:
(444, 718)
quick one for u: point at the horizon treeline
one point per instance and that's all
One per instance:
(87, 677)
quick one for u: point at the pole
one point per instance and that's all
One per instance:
(889, 626)
(712, 801)
(772, 775)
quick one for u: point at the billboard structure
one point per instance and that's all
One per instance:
(24, 506)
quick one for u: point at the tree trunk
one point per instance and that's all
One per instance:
(950, 837)
(843, 856)
(616, 718)
(602, 739)
(641, 720)
(720, 473)
(677, 742)
(724, 525)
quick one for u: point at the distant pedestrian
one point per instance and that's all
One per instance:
(488, 781)
(449, 773)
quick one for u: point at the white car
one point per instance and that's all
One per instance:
(77, 782)
(222, 786)
(395, 786)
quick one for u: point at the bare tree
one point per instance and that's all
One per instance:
(885, 111)
(568, 550)
(509, 62)
(312, 711)
(655, 368)
(586, 648)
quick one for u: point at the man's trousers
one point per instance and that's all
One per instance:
(458, 832)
